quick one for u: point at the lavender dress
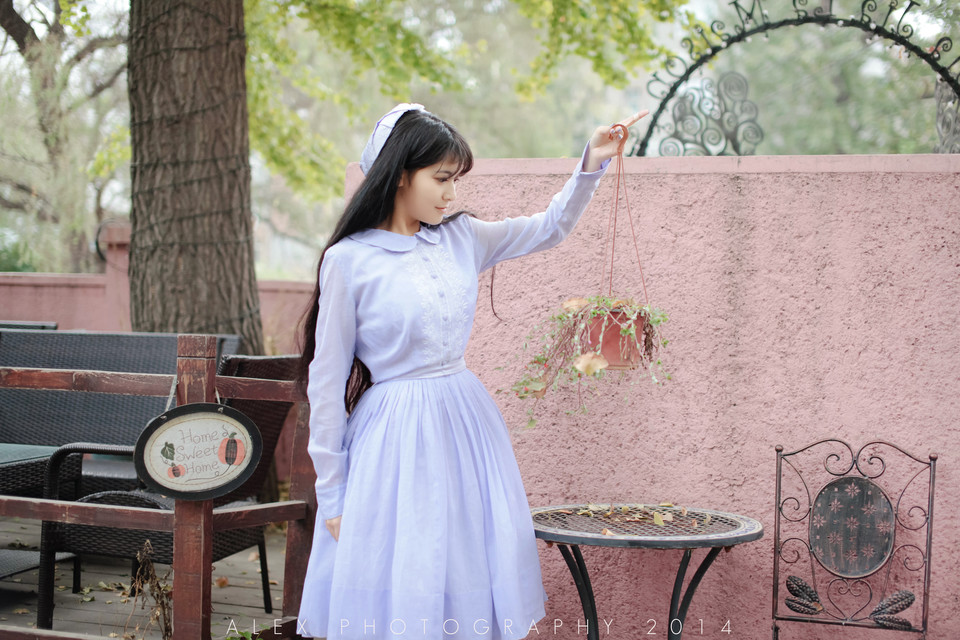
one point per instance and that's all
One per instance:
(436, 539)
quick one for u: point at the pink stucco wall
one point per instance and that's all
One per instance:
(809, 297)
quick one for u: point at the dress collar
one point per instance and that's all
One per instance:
(397, 241)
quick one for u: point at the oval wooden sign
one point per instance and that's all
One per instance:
(198, 451)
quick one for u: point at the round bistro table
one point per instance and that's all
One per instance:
(624, 525)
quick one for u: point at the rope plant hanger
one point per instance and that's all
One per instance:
(591, 336)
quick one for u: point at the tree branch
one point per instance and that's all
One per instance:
(99, 87)
(283, 234)
(18, 28)
(45, 211)
(13, 206)
(57, 26)
(93, 45)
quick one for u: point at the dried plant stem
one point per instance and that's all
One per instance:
(146, 579)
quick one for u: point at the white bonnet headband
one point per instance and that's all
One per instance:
(381, 132)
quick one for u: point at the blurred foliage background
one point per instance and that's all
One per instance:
(520, 78)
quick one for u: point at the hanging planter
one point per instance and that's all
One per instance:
(615, 333)
(589, 337)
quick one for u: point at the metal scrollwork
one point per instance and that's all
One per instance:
(714, 118)
(848, 594)
(875, 18)
(866, 537)
(948, 119)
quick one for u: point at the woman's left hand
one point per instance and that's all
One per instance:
(606, 141)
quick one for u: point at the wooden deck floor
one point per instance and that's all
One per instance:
(237, 605)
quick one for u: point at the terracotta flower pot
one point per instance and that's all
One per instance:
(620, 351)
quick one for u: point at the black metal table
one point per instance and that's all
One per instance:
(635, 526)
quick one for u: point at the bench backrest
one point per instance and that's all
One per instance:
(30, 416)
(268, 416)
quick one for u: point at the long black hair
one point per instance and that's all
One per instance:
(419, 139)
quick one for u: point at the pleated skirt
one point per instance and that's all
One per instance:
(436, 540)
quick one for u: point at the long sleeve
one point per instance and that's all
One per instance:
(329, 371)
(515, 237)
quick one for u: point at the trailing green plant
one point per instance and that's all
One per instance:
(568, 346)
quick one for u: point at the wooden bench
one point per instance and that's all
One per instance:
(55, 417)
(192, 523)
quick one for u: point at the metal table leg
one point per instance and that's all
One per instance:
(679, 602)
(578, 569)
(678, 607)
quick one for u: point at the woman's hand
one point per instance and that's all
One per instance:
(333, 526)
(606, 141)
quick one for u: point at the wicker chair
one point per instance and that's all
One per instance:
(125, 543)
(54, 418)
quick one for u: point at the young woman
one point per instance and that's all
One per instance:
(427, 527)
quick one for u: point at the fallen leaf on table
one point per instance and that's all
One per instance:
(607, 532)
(666, 504)
(668, 517)
(657, 518)
(707, 519)
(683, 511)
(221, 581)
(695, 523)
(21, 611)
(254, 556)
(565, 511)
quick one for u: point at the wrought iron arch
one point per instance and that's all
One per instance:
(756, 21)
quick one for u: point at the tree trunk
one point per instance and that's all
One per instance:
(191, 249)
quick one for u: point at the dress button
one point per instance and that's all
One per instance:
(441, 294)
(444, 318)
(433, 275)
